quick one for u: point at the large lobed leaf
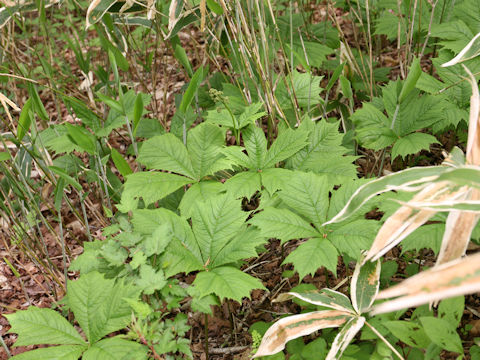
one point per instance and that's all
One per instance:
(116, 348)
(150, 186)
(36, 326)
(227, 283)
(324, 153)
(166, 152)
(63, 352)
(283, 224)
(98, 304)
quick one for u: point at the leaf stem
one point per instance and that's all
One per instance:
(385, 341)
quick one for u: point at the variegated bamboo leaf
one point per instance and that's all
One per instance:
(295, 326)
(343, 338)
(458, 277)
(413, 176)
(96, 10)
(325, 297)
(473, 141)
(468, 52)
(405, 220)
(365, 284)
(459, 227)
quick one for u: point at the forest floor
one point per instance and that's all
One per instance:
(228, 335)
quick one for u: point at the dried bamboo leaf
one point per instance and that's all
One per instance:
(459, 227)
(458, 277)
(295, 326)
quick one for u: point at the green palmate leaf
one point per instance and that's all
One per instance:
(251, 114)
(244, 184)
(237, 156)
(121, 163)
(274, 179)
(64, 352)
(215, 223)
(307, 90)
(452, 309)
(470, 51)
(283, 224)
(426, 237)
(408, 332)
(442, 333)
(352, 237)
(384, 184)
(150, 186)
(166, 152)
(204, 144)
(256, 146)
(324, 153)
(325, 297)
(227, 283)
(342, 340)
(98, 304)
(243, 246)
(287, 144)
(308, 194)
(150, 280)
(200, 191)
(116, 348)
(412, 144)
(178, 258)
(373, 127)
(295, 326)
(36, 326)
(312, 255)
(365, 284)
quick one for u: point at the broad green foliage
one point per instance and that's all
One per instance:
(306, 201)
(193, 163)
(99, 307)
(260, 162)
(324, 153)
(377, 131)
